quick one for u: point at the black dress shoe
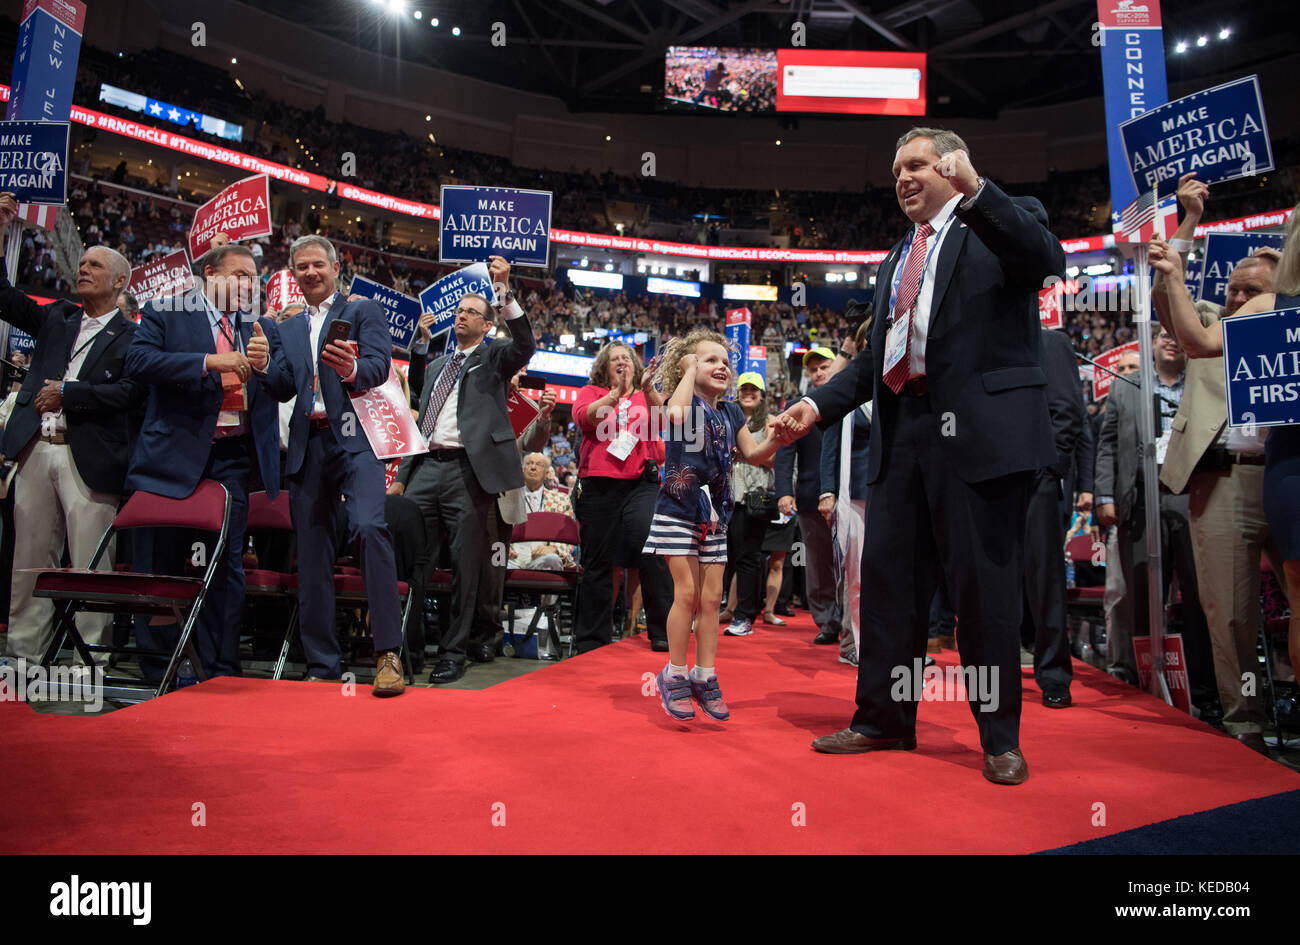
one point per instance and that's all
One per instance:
(1211, 713)
(826, 636)
(784, 610)
(1057, 699)
(659, 646)
(481, 653)
(445, 671)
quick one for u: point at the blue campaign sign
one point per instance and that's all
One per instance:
(20, 341)
(1220, 133)
(1222, 253)
(45, 60)
(34, 160)
(1192, 269)
(1261, 360)
(402, 310)
(478, 222)
(441, 297)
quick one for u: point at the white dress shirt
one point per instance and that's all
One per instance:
(446, 432)
(90, 327)
(921, 317)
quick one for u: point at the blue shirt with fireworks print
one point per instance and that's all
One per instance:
(698, 453)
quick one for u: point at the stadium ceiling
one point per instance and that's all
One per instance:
(608, 55)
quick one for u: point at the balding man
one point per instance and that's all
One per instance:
(70, 432)
(1223, 472)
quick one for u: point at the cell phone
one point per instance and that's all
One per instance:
(338, 331)
(532, 383)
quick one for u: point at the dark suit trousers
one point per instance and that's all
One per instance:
(165, 551)
(822, 587)
(1044, 620)
(327, 472)
(925, 517)
(457, 512)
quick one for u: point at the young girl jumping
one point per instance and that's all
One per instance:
(690, 522)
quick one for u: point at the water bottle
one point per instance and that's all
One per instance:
(1069, 571)
(185, 674)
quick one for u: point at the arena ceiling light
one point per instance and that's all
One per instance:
(1225, 33)
(1180, 48)
(1202, 40)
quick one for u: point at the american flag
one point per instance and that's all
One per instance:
(1137, 220)
(42, 215)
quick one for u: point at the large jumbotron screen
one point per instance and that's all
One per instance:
(794, 80)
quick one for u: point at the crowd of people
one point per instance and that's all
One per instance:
(690, 486)
(413, 167)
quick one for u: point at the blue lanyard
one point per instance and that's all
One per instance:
(902, 261)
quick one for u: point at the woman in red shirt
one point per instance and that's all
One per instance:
(618, 481)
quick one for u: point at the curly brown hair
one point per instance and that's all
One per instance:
(600, 370)
(669, 374)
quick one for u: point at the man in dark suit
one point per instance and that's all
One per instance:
(798, 496)
(959, 425)
(213, 376)
(1121, 501)
(1044, 620)
(329, 455)
(472, 457)
(70, 432)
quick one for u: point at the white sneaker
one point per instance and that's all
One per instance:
(739, 628)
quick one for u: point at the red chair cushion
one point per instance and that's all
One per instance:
(86, 584)
(259, 579)
(1086, 593)
(521, 576)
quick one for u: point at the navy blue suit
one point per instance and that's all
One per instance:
(333, 459)
(176, 449)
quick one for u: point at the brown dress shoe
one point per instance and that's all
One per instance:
(1006, 768)
(389, 678)
(849, 742)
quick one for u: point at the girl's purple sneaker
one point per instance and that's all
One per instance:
(675, 695)
(709, 696)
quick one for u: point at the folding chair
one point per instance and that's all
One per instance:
(1086, 604)
(261, 584)
(556, 528)
(84, 589)
(350, 591)
(1272, 626)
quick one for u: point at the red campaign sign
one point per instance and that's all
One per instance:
(1049, 305)
(164, 277)
(390, 472)
(241, 211)
(282, 291)
(758, 352)
(739, 316)
(522, 411)
(386, 418)
(1175, 668)
(1109, 359)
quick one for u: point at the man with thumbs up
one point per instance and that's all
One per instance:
(214, 374)
(330, 456)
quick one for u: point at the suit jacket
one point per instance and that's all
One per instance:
(807, 451)
(982, 349)
(1064, 399)
(859, 455)
(375, 346)
(1117, 449)
(1201, 415)
(101, 407)
(180, 419)
(481, 412)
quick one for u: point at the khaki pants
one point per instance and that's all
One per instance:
(1229, 531)
(53, 505)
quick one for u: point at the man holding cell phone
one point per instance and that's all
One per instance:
(337, 348)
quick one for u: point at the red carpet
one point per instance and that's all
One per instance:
(582, 762)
